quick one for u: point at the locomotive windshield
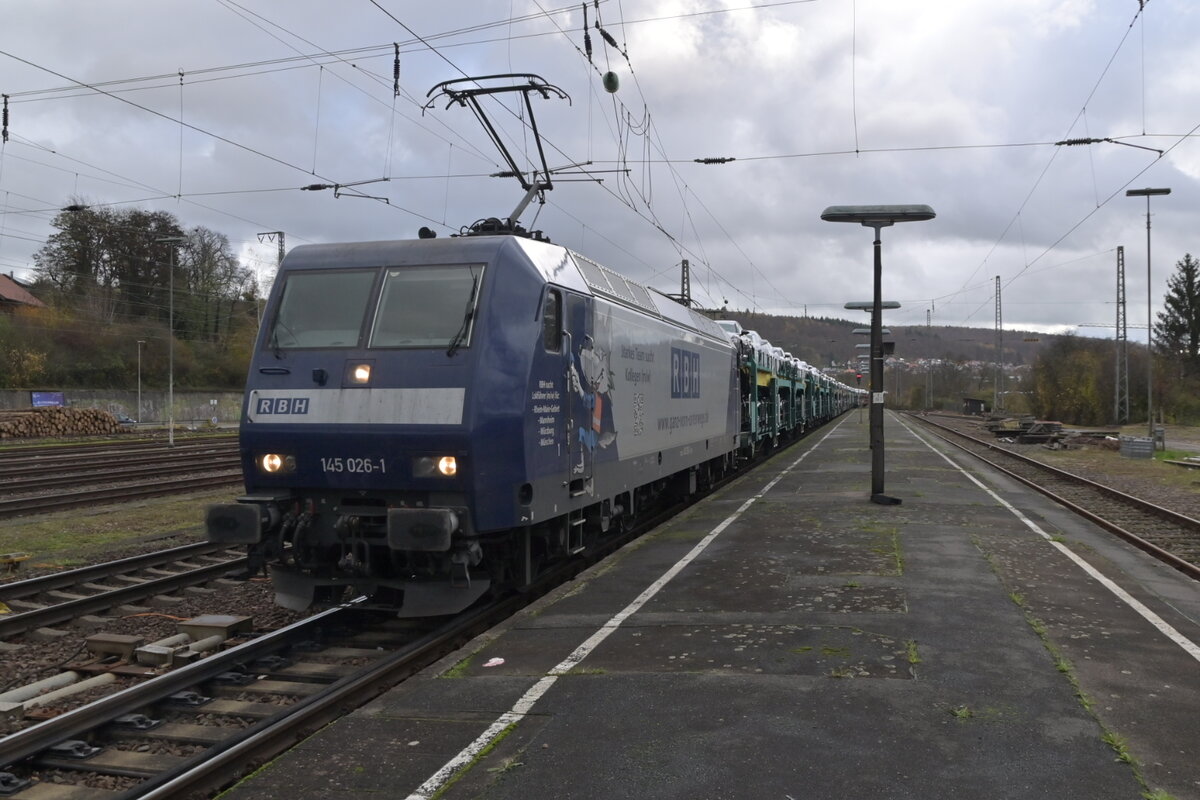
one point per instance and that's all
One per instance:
(426, 306)
(322, 309)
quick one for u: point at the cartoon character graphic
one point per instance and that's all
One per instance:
(592, 381)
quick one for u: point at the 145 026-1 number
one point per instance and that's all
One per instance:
(357, 465)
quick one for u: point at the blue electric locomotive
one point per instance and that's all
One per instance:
(425, 419)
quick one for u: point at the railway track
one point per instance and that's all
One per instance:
(53, 599)
(40, 504)
(10, 451)
(55, 478)
(190, 731)
(16, 467)
(200, 727)
(198, 464)
(1171, 537)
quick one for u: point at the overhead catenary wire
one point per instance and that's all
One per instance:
(183, 124)
(629, 193)
(633, 158)
(1080, 114)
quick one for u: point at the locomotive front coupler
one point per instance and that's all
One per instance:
(245, 521)
(466, 554)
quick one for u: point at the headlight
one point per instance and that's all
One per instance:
(358, 373)
(275, 464)
(435, 467)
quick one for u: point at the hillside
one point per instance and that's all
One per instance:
(822, 341)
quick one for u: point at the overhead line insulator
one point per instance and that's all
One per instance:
(396, 71)
(587, 37)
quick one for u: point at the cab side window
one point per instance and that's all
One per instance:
(552, 321)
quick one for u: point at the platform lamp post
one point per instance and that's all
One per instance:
(869, 306)
(172, 240)
(867, 332)
(140, 342)
(864, 362)
(877, 217)
(1147, 193)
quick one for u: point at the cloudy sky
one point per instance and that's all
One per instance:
(221, 110)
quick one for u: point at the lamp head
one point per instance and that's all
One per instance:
(878, 216)
(869, 305)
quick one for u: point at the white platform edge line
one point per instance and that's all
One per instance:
(523, 706)
(1190, 647)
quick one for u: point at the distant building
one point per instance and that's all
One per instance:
(974, 406)
(14, 295)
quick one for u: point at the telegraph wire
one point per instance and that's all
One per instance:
(159, 114)
(854, 69)
(384, 49)
(1054, 155)
(855, 152)
(464, 74)
(195, 128)
(643, 130)
(426, 42)
(1104, 202)
(337, 57)
(656, 143)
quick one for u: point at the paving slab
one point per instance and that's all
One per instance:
(818, 646)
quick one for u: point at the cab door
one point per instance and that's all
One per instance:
(548, 444)
(581, 395)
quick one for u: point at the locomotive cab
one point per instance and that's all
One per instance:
(382, 406)
(427, 419)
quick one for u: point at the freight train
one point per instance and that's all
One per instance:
(429, 420)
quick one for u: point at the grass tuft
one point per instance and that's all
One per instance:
(460, 669)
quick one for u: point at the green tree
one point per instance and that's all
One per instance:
(215, 281)
(105, 263)
(112, 265)
(1177, 330)
(107, 277)
(1072, 381)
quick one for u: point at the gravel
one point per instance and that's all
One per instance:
(33, 657)
(1173, 487)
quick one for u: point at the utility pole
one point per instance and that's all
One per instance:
(267, 236)
(174, 242)
(998, 401)
(928, 364)
(1148, 193)
(1121, 401)
(685, 284)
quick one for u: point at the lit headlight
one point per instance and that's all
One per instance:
(359, 374)
(274, 464)
(434, 467)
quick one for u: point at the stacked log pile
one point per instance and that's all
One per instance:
(46, 422)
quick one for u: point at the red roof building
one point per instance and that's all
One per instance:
(13, 295)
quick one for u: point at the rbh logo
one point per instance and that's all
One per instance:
(685, 373)
(282, 405)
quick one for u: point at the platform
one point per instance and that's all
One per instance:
(787, 638)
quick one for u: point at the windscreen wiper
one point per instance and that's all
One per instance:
(461, 336)
(277, 323)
